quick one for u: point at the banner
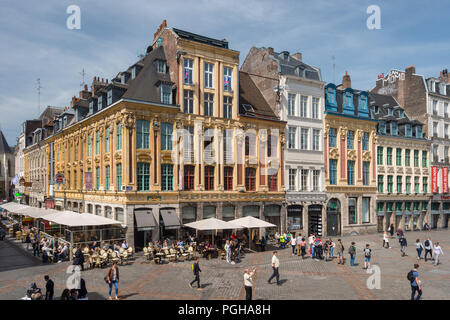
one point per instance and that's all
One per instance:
(434, 174)
(88, 180)
(445, 180)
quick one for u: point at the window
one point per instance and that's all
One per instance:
(316, 140)
(250, 179)
(350, 136)
(418, 131)
(365, 210)
(166, 177)
(331, 96)
(209, 71)
(379, 155)
(160, 66)
(333, 171)
(227, 75)
(366, 169)
(209, 104)
(390, 111)
(416, 158)
(390, 184)
(292, 179)
(425, 184)
(109, 97)
(188, 101)
(416, 184)
(208, 145)
(209, 178)
(247, 145)
(408, 130)
(316, 177)
(394, 128)
(166, 136)
(304, 180)
(407, 157)
(291, 104)
(166, 94)
(351, 210)
(97, 143)
(118, 176)
(119, 136)
(89, 146)
(228, 178)
(389, 157)
(435, 126)
(332, 136)
(97, 178)
(365, 141)
(382, 127)
(189, 177)
(188, 70)
(273, 182)
(398, 157)
(99, 103)
(408, 184)
(292, 133)
(380, 182)
(143, 176)
(228, 145)
(315, 108)
(351, 172)
(228, 107)
(424, 159)
(399, 184)
(142, 134)
(107, 141)
(303, 106)
(107, 177)
(188, 144)
(304, 139)
(133, 72)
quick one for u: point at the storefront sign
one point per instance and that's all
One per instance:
(445, 179)
(434, 175)
(88, 180)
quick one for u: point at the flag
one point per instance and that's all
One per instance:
(186, 74)
(226, 81)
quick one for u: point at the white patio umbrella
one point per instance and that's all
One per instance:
(212, 224)
(250, 222)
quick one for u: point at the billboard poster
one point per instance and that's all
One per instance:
(445, 180)
(434, 175)
(88, 180)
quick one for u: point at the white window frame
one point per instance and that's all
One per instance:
(208, 75)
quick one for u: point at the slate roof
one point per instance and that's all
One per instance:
(4, 147)
(202, 39)
(294, 67)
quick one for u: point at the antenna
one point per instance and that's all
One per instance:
(83, 74)
(333, 58)
(38, 88)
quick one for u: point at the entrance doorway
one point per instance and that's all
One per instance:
(380, 223)
(315, 220)
(333, 217)
(434, 221)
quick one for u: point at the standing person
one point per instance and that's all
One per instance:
(248, 283)
(303, 247)
(386, 240)
(79, 258)
(293, 244)
(311, 240)
(49, 288)
(428, 244)
(437, 250)
(352, 252)
(36, 247)
(275, 266)
(263, 243)
(331, 246)
(340, 252)
(413, 277)
(403, 245)
(82, 292)
(196, 269)
(391, 229)
(113, 279)
(28, 241)
(299, 247)
(367, 256)
(228, 250)
(419, 249)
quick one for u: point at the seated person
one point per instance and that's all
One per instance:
(61, 254)
(93, 246)
(34, 292)
(125, 244)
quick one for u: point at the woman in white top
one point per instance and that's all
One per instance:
(419, 249)
(386, 240)
(228, 250)
(437, 250)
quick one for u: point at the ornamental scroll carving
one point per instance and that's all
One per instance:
(128, 120)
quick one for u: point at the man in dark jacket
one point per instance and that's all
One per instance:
(49, 288)
(403, 244)
(79, 259)
(82, 292)
(196, 274)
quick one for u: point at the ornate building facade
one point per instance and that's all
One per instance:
(6, 168)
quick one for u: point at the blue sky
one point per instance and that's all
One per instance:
(37, 44)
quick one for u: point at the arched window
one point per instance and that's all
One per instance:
(142, 134)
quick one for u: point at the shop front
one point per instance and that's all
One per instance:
(333, 218)
(398, 215)
(315, 219)
(188, 215)
(169, 224)
(294, 218)
(144, 225)
(435, 214)
(272, 214)
(380, 217)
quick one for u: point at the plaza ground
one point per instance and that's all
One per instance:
(301, 279)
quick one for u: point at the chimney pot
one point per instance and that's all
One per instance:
(270, 50)
(297, 56)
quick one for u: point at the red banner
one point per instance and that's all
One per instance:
(445, 180)
(434, 175)
(88, 180)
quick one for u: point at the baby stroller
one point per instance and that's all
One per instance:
(33, 292)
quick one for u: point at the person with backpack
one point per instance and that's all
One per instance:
(196, 270)
(413, 277)
(340, 252)
(419, 249)
(303, 247)
(112, 278)
(437, 250)
(352, 252)
(428, 244)
(403, 245)
(367, 256)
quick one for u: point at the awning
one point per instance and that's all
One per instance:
(144, 220)
(212, 224)
(35, 212)
(73, 219)
(252, 222)
(170, 218)
(13, 206)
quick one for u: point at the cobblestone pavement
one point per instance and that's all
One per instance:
(301, 279)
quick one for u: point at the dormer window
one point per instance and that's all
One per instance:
(91, 107)
(390, 111)
(443, 88)
(166, 94)
(376, 109)
(382, 127)
(110, 96)
(401, 114)
(408, 130)
(348, 102)
(394, 128)
(331, 98)
(161, 66)
(419, 132)
(122, 78)
(363, 109)
(133, 72)
(99, 103)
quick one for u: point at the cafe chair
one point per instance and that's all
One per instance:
(114, 257)
(146, 253)
(156, 259)
(169, 256)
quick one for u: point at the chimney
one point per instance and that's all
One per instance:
(445, 76)
(346, 81)
(410, 70)
(270, 50)
(297, 56)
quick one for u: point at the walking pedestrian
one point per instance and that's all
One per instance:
(79, 259)
(293, 244)
(352, 252)
(275, 266)
(298, 241)
(437, 250)
(386, 240)
(112, 278)
(403, 245)
(311, 241)
(49, 288)
(331, 246)
(367, 256)
(340, 252)
(28, 241)
(35, 247)
(413, 277)
(248, 283)
(196, 269)
(391, 229)
(303, 247)
(419, 249)
(228, 250)
(428, 244)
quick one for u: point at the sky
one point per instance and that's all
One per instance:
(36, 43)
